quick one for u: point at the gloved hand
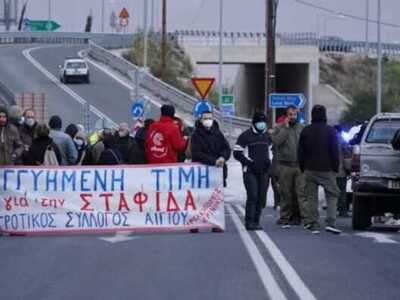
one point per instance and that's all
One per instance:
(220, 162)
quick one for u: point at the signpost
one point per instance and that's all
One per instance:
(284, 100)
(124, 18)
(137, 109)
(40, 25)
(228, 105)
(200, 107)
(203, 85)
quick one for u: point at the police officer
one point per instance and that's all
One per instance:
(252, 151)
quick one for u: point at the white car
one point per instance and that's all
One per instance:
(74, 69)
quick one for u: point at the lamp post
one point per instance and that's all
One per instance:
(366, 27)
(379, 76)
(145, 38)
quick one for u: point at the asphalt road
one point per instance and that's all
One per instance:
(272, 264)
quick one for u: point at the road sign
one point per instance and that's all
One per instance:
(201, 107)
(41, 25)
(203, 85)
(228, 110)
(227, 99)
(137, 109)
(284, 100)
(124, 14)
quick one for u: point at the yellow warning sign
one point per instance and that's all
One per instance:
(124, 14)
(203, 85)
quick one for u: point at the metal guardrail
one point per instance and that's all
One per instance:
(6, 95)
(183, 102)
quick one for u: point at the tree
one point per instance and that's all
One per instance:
(179, 69)
(88, 26)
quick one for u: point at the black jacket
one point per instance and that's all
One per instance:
(209, 145)
(124, 145)
(252, 150)
(110, 156)
(318, 148)
(35, 155)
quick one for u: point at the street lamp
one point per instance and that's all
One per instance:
(366, 27)
(379, 77)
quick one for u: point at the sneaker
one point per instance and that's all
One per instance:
(307, 226)
(333, 229)
(286, 226)
(216, 229)
(315, 231)
(194, 230)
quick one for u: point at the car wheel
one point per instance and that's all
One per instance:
(87, 79)
(361, 213)
(65, 79)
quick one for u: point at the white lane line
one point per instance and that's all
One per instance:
(288, 271)
(79, 99)
(268, 280)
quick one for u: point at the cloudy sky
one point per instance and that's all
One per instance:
(239, 15)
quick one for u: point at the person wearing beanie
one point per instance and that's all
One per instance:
(318, 155)
(252, 151)
(11, 147)
(164, 140)
(285, 138)
(64, 142)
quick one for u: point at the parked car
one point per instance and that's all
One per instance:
(74, 69)
(376, 171)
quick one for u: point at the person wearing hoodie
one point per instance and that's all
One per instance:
(63, 141)
(208, 144)
(252, 151)
(40, 143)
(318, 155)
(11, 147)
(164, 140)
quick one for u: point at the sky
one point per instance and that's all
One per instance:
(239, 15)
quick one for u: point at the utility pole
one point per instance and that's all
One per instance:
(145, 36)
(102, 15)
(152, 16)
(270, 57)
(379, 77)
(163, 38)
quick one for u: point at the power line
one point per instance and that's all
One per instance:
(332, 11)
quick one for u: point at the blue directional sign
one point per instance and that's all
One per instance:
(137, 109)
(284, 100)
(201, 107)
(228, 110)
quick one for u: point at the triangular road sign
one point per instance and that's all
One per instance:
(203, 85)
(124, 14)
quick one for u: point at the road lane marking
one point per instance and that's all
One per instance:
(380, 238)
(120, 236)
(267, 279)
(79, 99)
(288, 271)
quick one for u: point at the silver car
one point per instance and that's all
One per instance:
(376, 167)
(74, 69)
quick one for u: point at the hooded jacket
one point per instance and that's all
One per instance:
(285, 141)
(35, 155)
(11, 147)
(318, 146)
(164, 141)
(209, 144)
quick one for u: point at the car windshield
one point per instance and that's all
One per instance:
(76, 65)
(382, 131)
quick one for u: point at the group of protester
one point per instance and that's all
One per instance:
(303, 157)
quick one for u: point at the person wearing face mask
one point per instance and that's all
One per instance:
(208, 144)
(252, 151)
(28, 128)
(128, 147)
(285, 138)
(11, 147)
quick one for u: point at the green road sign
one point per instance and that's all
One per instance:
(227, 99)
(41, 25)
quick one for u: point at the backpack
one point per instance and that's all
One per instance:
(50, 157)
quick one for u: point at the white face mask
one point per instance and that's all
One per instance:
(30, 122)
(208, 123)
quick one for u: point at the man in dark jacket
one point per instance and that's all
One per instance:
(252, 150)
(164, 140)
(128, 148)
(11, 147)
(208, 144)
(318, 156)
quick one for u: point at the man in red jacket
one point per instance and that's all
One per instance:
(164, 140)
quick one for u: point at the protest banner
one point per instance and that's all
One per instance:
(110, 198)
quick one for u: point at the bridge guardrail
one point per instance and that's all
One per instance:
(165, 92)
